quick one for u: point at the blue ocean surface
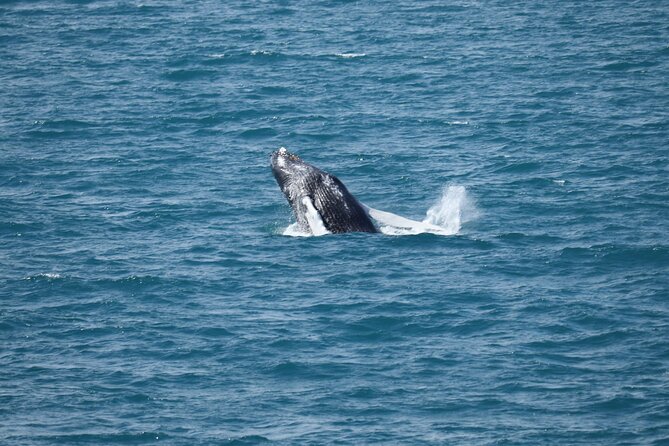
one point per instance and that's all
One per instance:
(150, 293)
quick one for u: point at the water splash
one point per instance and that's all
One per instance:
(454, 208)
(294, 230)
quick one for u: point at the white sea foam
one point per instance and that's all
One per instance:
(47, 276)
(294, 230)
(350, 55)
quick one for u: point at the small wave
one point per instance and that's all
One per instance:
(258, 133)
(263, 53)
(103, 438)
(63, 124)
(350, 55)
(45, 276)
(187, 75)
(246, 440)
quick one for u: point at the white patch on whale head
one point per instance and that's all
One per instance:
(281, 160)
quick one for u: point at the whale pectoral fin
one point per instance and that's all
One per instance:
(404, 225)
(390, 219)
(314, 219)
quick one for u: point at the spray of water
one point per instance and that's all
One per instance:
(294, 230)
(454, 208)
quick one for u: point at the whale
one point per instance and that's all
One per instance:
(319, 200)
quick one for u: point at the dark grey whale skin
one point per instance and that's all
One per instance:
(338, 208)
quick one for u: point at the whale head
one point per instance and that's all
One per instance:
(289, 169)
(311, 191)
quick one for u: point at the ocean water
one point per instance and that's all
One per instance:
(148, 293)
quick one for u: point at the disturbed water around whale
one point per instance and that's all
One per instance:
(148, 294)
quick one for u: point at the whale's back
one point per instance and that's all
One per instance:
(339, 209)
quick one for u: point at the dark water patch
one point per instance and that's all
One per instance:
(383, 323)
(289, 370)
(436, 364)
(590, 341)
(274, 90)
(360, 333)
(556, 93)
(8, 39)
(246, 440)
(475, 327)
(313, 137)
(529, 239)
(619, 255)
(330, 309)
(636, 255)
(125, 284)
(259, 133)
(443, 9)
(627, 65)
(556, 185)
(189, 75)
(95, 438)
(283, 11)
(520, 167)
(618, 403)
(60, 128)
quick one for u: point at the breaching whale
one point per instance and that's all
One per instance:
(322, 204)
(320, 201)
